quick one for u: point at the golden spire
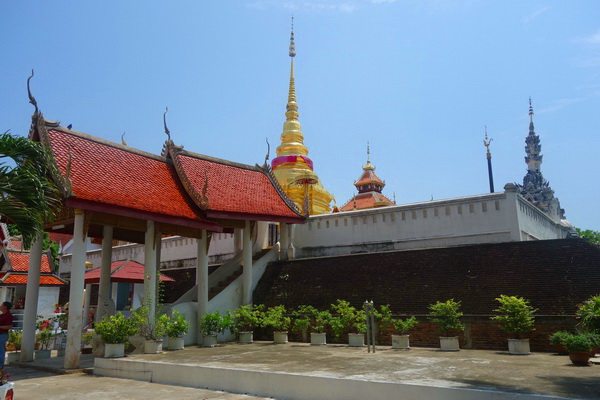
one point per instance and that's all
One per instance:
(292, 140)
(368, 166)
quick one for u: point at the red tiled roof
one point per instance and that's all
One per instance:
(20, 262)
(367, 177)
(122, 271)
(109, 173)
(234, 188)
(21, 279)
(61, 238)
(15, 245)
(366, 200)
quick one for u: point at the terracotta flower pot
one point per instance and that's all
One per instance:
(580, 357)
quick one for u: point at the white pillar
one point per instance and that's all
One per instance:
(237, 240)
(86, 304)
(283, 240)
(150, 270)
(104, 289)
(202, 278)
(76, 294)
(247, 265)
(31, 299)
(291, 250)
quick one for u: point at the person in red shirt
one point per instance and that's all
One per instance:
(6, 323)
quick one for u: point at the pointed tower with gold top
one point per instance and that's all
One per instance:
(292, 167)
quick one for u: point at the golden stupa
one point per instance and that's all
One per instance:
(292, 167)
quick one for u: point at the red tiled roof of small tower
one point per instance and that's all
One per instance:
(233, 191)
(12, 279)
(366, 200)
(109, 173)
(122, 271)
(60, 238)
(367, 177)
(20, 262)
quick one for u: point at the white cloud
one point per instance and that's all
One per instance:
(593, 39)
(536, 14)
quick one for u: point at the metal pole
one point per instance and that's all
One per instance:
(491, 176)
(373, 324)
(368, 330)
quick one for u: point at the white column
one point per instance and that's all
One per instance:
(86, 304)
(283, 240)
(237, 240)
(31, 300)
(291, 250)
(104, 289)
(76, 294)
(202, 278)
(247, 265)
(150, 270)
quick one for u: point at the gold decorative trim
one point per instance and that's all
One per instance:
(266, 169)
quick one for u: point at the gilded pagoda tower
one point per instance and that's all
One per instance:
(292, 167)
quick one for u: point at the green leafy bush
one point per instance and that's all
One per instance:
(346, 318)
(579, 342)
(44, 337)
(245, 318)
(308, 317)
(589, 314)
(399, 325)
(558, 338)
(153, 329)
(276, 318)
(178, 326)
(15, 337)
(214, 323)
(115, 329)
(516, 315)
(446, 315)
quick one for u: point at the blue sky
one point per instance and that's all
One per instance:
(417, 79)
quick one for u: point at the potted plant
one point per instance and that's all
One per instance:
(211, 324)
(401, 326)
(152, 330)
(308, 318)
(114, 331)
(177, 328)
(59, 323)
(244, 319)
(276, 318)
(44, 338)
(516, 317)
(347, 319)
(558, 340)
(579, 347)
(589, 314)
(15, 337)
(447, 316)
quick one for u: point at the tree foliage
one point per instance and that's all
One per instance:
(28, 197)
(589, 235)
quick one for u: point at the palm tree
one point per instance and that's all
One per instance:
(28, 197)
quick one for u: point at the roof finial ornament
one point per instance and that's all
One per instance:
(167, 131)
(268, 151)
(31, 98)
(292, 44)
(123, 142)
(530, 110)
(486, 141)
(368, 152)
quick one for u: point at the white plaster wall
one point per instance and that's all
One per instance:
(173, 250)
(47, 298)
(488, 218)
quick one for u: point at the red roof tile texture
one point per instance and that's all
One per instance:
(365, 200)
(21, 279)
(20, 262)
(368, 177)
(61, 238)
(122, 271)
(235, 189)
(113, 175)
